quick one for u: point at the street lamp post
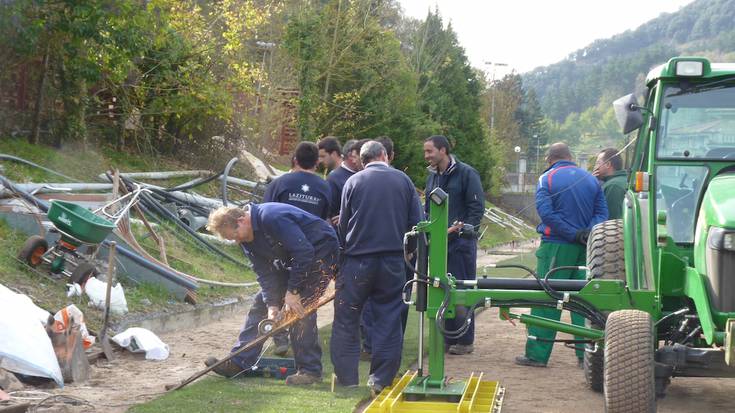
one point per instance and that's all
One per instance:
(494, 65)
(538, 151)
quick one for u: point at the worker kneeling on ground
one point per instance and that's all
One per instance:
(294, 256)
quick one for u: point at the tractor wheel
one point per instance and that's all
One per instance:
(606, 250)
(33, 250)
(594, 364)
(83, 272)
(630, 385)
(606, 260)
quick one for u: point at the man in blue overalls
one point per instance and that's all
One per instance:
(379, 205)
(304, 189)
(294, 256)
(466, 206)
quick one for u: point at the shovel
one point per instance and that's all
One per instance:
(104, 338)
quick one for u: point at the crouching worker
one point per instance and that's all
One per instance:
(293, 255)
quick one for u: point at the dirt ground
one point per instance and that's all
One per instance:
(560, 387)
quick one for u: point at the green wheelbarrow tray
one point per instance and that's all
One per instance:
(78, 222)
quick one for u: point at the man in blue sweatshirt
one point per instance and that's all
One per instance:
(569, 201)
(293, 255)
(379, 205)
(466, 206)
(302, 187)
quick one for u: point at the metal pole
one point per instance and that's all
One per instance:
(538, 153)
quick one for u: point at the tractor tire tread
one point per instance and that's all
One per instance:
(629, 363)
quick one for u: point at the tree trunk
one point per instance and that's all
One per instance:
(34, 137)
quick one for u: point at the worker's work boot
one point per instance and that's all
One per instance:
(374, 386)
(525, 361)
(281, 349)
(227, 369)
(302, 379)
(461, 349)
(580, 364)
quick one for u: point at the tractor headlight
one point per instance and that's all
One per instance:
(721, 239)
(689, 68)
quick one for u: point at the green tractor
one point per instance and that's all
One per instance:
(675, 246)
(660, 293)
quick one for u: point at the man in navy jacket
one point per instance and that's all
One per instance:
(337, 178)
(569, 201)
(466, 206)
(294, 256)
(379, 205)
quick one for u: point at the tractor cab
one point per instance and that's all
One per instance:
(682, 186)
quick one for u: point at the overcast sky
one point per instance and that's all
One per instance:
(530, 33)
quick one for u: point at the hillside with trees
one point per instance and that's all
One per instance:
(576, 93)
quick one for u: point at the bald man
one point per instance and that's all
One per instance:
(570, 202)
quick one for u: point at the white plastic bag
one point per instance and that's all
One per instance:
(137, 339)
(25, 347)
(97, 290)
(68, 317)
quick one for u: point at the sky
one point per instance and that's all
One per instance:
(525, 34)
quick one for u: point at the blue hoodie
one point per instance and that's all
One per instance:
(568, 199)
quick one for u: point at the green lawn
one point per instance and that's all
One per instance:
(215, 394)
(528, 259)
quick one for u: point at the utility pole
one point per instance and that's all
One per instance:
(538, 151)
(494, 65)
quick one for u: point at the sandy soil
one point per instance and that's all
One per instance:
(560, 387)
(130, 379)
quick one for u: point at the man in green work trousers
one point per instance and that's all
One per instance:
(570, 202)
(609, 169)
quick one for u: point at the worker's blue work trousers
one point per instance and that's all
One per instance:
(379, 278)
(368, 318)
(304, 334)
(462, 264)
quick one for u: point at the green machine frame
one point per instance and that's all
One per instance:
(434, 284)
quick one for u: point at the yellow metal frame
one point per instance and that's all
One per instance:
(480, 396)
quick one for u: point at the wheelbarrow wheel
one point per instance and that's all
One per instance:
(33, 250)
(83, 272)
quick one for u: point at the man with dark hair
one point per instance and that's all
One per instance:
(379, 205)
(293, 255)
(388, 145)
(304, 189)
(330, 153)
(569, 201)
(337, 178)
(609, 169)
(466, 208)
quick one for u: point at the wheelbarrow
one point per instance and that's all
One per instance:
(81, 233)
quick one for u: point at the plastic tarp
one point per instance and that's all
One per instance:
(25, 347)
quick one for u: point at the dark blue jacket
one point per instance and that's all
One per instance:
(379, 205)
(466, 197)
(568, 199)
(336, 180)
(287, 244)
(301, 189)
